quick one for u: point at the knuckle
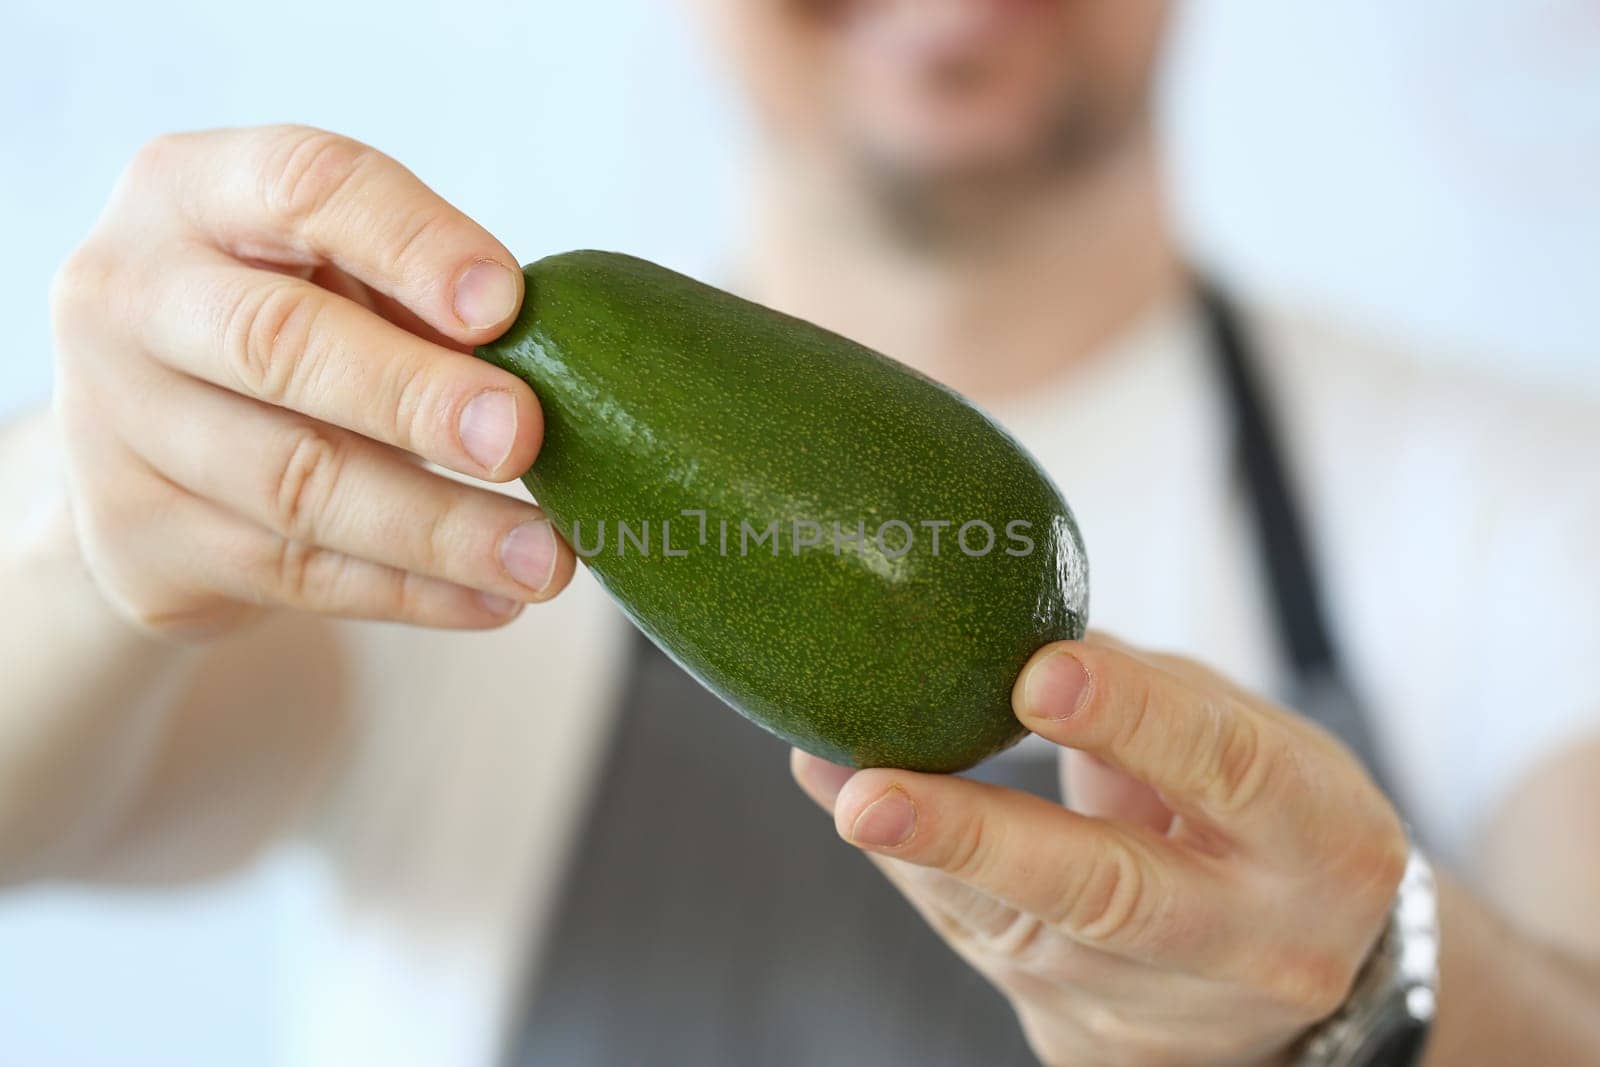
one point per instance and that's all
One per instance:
(1388, 867)
(1242, 766)
(969, 853)
(308, 169)
(1140, 712)
(416, 402)
(292, 571)
(424, 229)
(1120, 1040)
(269, 336)
(1311, 984)
(434, 542)
(1370, 870)
(79, 286)
(153, 160)
(1021, 938)
(307, 482)
(442, 538)
(1110, 902)
(405, 596)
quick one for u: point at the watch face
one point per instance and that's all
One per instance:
(1399, 1044)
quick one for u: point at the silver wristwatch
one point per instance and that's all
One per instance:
(1385, 1020)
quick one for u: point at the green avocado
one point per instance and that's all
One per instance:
(844, 551)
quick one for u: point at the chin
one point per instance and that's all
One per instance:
(955, 150)
(942, 97)
(963, 92)
(977, 147)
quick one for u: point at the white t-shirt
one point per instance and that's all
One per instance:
(1457, 525)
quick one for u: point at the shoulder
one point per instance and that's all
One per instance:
(1457, 516)
(1480, 489)
(1390, 420)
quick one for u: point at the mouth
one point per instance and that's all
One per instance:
(926, 33)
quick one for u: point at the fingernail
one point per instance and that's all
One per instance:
(528, 553)
(887, 821)
(821, 778)
(486, 294)
(1055, 687)
(499, 605)
(488, 428)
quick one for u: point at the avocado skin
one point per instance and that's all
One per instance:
(661, 394)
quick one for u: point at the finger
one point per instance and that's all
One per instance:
(303, 195)
(1094, 787)
(1191, 671)
(222, 555)
(310, 482)
(1203, 677)
(385, 307)
(1001, 940)
(969, 918)
(1209, 755)
(817, 778)
(291, 344)
(978, 925)
(1112, 886)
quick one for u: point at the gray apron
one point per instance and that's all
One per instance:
(713, 917)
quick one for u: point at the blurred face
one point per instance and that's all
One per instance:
(931, 94)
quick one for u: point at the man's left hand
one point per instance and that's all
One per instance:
(1224, 870)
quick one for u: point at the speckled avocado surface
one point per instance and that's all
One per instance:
(845, 552)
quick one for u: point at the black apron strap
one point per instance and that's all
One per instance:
(1322, 688)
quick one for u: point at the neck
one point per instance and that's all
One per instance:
(1060, 272)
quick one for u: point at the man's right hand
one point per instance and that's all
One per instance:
(262, 332)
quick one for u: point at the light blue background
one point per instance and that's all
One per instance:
(1429, 169)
